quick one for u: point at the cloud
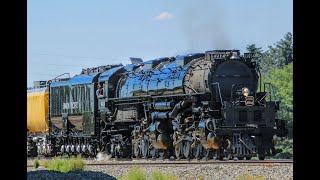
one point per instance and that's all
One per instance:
(163, 16)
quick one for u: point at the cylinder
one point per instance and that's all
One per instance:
(162, 105)
(160, 115)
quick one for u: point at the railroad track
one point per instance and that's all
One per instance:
(114, 162)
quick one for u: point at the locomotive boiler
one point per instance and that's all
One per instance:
(199, 105)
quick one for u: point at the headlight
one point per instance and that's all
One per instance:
(245, 91)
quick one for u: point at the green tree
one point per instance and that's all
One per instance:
(279, 55)
(276, 66)
(267, 61)
(258, 50)
(276, 56)
(285, 50)
(282, 80)
(253, 49)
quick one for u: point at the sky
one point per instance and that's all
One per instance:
(66, 36)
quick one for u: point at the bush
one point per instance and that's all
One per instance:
(65, 165)
(36, 163)
(135, 174)
(286, 147)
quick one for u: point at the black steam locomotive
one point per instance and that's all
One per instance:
(199, 105)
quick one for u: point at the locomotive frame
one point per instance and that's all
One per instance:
(200, 105)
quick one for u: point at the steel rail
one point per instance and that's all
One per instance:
(184, 162)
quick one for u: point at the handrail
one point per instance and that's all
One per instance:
(58, 76)
(61, 75)
(218, 85)
(271, 90)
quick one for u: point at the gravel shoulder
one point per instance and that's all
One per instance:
(272, 171)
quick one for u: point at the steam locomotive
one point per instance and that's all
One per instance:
(199, 105)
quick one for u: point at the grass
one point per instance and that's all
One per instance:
(65, 165)
(36, 163)
(250, 177)
(158, 175)
(138, 174)
(135, 174)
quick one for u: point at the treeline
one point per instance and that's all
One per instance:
(276, 66)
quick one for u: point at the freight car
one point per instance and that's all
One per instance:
(37, 119)
(197, 105)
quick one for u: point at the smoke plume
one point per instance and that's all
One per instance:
(103, 156)
(203, 23)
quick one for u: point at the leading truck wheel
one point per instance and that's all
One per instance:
(206, 154)
(136, 149)
(198, 151)
(144, 148)
(219, 154)
(153, 153)
(161, 154)
(186, 148)
(177, 150)
(230, 156)
(261, 154)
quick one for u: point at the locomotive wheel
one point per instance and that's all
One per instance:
(229, 149)
(230, 156)
(108, 150)
(206, 153)
(136, 149)
(153, 153)
(198, 152)
(127, 151)
(177, 150)
(119, 154)
(261, 153)
(219, 154)
(248, 158)
(113, 150)
(144, 148)
(161, 154)
(220, 157)
(186, 148)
